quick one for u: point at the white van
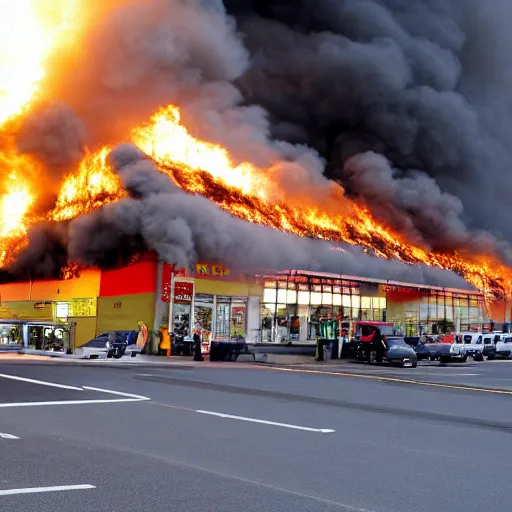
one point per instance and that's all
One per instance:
(476, 344)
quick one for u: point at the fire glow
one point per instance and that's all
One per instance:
(197, 166)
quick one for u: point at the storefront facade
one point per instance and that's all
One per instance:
(295, 303)
(219, 301)
(227, 305)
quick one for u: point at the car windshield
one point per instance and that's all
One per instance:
(396, 342)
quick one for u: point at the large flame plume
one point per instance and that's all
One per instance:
(33, 31)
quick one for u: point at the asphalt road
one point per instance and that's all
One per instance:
(230, 438)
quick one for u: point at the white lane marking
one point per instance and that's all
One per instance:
(129, 395)
(7, 436)
(36, 490)
(462, 375)
(40, 382)
(265, 422)
(72, 402)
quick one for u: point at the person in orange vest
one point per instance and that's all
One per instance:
(165, 341)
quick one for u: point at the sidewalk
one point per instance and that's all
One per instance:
(285, 360)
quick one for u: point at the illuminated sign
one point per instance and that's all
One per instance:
(62, 310)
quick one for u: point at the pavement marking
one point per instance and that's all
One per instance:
(461, 375)
(7, 436)
(265, 422)
(397, 380)
(72, 402)
(129, 395)
(37, 490)
(243, 418)
(40, 382)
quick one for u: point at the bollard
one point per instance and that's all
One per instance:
(319, 354)
(198, 356)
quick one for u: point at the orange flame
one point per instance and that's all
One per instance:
(247, 192)
(29, 31)
(93, 185)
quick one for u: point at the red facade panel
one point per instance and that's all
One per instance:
(130, 280)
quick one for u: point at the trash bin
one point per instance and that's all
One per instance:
(320, 344)
(327, 349)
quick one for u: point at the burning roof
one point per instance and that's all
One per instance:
(163, 75)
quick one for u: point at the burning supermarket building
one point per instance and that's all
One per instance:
(330, 145)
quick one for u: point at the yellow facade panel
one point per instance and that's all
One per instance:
(238, 289)
(85, 329)
(25, 310)
(124, 311)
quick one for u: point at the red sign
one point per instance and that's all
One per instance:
(166, 280)
(183, 292)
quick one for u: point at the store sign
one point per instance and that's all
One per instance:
(62, 310)
(42, 305)
(401, 289)
(166, 279)
(205, 269)
(183, 292)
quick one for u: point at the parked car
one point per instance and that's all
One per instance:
(428, 351)
(110, 343)
(504, 346)
(452, 353)
(398, 353)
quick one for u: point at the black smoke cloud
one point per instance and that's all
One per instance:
(184, 229)
(387, 97)
(423, 83)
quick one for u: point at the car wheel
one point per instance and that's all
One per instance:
(414, 364)
(478, 356)
(491, 357)
(372, 357)
(109, 355)
(464, 359)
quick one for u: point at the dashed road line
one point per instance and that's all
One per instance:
(7, 436)
(37, 490)
(246, 419)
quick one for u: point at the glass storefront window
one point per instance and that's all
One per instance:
(269, 295)
(336, 300)
(303, 298)
(222, 323)
(291, 297)
(366, 302)
(231, 315)
(238, 317)
(281, 295)
(356, 301)
(316, 298)
(327, 299)
(346, 302)
(203, 315)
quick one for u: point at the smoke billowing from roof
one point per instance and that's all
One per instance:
(184, 229)
(402, 102)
